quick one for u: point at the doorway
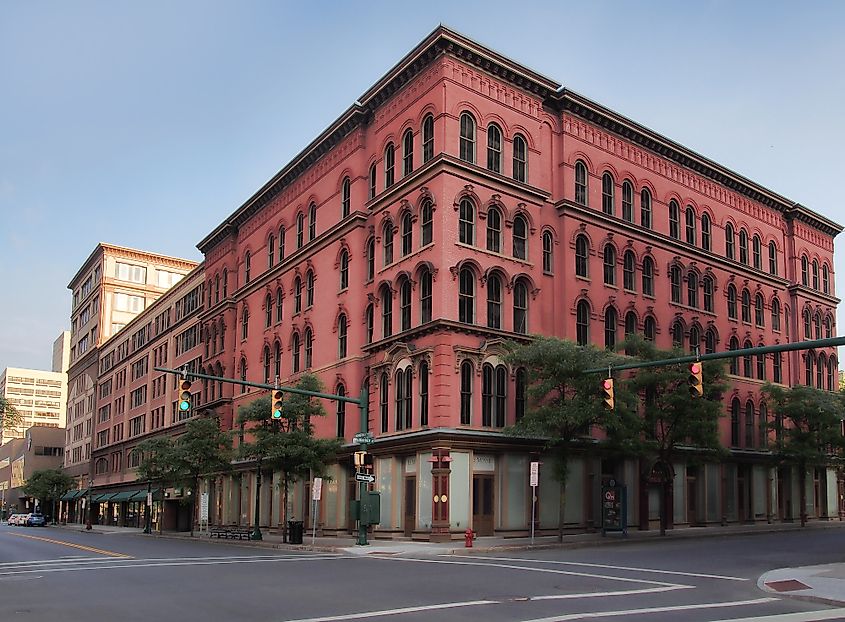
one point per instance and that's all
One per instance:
(410, 521)
(692, 496)
(482, 504)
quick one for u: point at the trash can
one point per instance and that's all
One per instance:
(295, 529)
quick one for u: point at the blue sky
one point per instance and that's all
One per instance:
(145, 124)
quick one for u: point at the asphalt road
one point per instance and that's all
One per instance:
(55, 574)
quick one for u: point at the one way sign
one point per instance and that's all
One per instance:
(364, 477)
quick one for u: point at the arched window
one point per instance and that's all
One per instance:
(825, 279)
(494, 230)
(423, 393)
(746, 306)
(831, 374)
(368, 322)
(776, 314)
(763, 425)
(815, 274)
(607, 194)
(817, 325)
(341, 336)
(520, 307)
(427, 138)
(344, 270)
(466, 224)
(630, 323)
(271, 250)
(731, 301)
(692, 289)
(309, 347)
(265, 360)
(277, 359)
(312, 222)
(746, 361)
(707, 284)
(645, 208)
(345, 197)
(628, 268)
(407, 234)
(828, 327)
(547, 252)
(268, 311)
(743, 246)
(821, 369)
(735, 407)
(466, 297)
(581, 189)
(709, 341)
(582, 322)
(387, 243)
(372, 181)
(759, 311)
(627, 201)
(729, 241)
(466, 392)
(382, 402)
(403, 381)
(582, 249)
(405, 304)
(808, 331)
(648, 276)
(674, 220)
(733, 344)
(694, 338)
(281, 243)
(520, 237)
(494, 301)
(389, 165)
(467, 147)
(689, 221)
(494, 148)
(386, 312)
(493, 395)
(295, 347)
(425, 296)
(520, 159)
(520, 393)
(309, 290)
(706, 232)
(649, 329)
(371, 259)
(805, 268)
(777, 367)
(809, 361)
(773, 258)
(677, 335)
(756, 252)
(217, 288)
(749, 423)
(300, 230)
(611, 318)
(244, 323)
(487, 382)
(426, 219)
(407, 153)
(247, 262)
(501, 397)
(675, 282)
(761, 365)
(340, 411)
(609, 264)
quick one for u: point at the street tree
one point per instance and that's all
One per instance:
(807, 426)
(10, 418)
(48, 486)
(287, 445)
(565, 407)
(155, 467)
(675, 425)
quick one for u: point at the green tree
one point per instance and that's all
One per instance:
(565, 406)
(48, 486)
(807, 423)
(154, 468)
(675, 426)
(10, 418)
(288, 445)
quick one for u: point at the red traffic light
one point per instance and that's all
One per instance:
(695, 368)
(607, 384)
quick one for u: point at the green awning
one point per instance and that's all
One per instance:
(71, 494)
(102, 497)
(140, 496)
(124, 495)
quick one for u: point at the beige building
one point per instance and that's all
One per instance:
(61, 352)
(39, 397)
(113, 286)
(38, 448)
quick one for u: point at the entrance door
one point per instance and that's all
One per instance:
(410, 521)
(482, 504)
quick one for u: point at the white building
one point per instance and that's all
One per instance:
(39, 397)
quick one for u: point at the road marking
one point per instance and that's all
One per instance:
(73, 545)
(393, 612)
(803, 616)
(648, 590)
(635, 612)
(606, 566)
(98, 560)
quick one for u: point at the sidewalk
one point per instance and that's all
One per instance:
(818, 583)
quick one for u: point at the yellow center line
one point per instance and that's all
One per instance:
(73, 545)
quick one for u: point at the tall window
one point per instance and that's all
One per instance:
(706, 232)
(733, 344)
(582, 323)
(828, 327)
(694, 338)
(648, 276)
(707, 283)
(426, 223)
(627, 201)
(582, 249)
(387, 243)
(761, 366)
(242, 368)
(831, 373)
(520, 307)
(467, 150)
(759, 311)
(372, 181)
(405, 305)
(675, 282)
(247, 266)
(520, 158)
(735, 407)
(731, 295)
(607, 194)
(341, 336)
(407, 234)
(805, 267)
(345, 197)
(520, 237)
(309, 347)
(344, 270)
(277, 359)
(494, 230)
(611, 318)
(466, 297)
(692, 289)
(266, 364)
(423, 393)
(630, 323)
(268, 311)
(689, 219)
(425, 296)
(815, 274)
(743, 246)
(649, 328)
(746, 360)
(817, 324)
(674, 220)
(369, 321)
(746, 306)
(581, 183)
(547, 252)
(749, 423)
(382, 402)
(776, 314)
(341, 412)
(278, 305)
(271, 250)
(756, 252)
(729, 241)
(312, 222)
(709, 341)
(493, 395)
(294, 346)
(300, 229)
(407, 153)
(677, 335)
(281, 243)
(494, 301)
(371, 259)
(389, 165)
(428, 138)
(466, 224)
(386, 312)
(520, 391)
(809, 360)
(645, 208)
(628, 267)
(763, 417)
(309, 290)
(494, 148)
(807, 327)
(609, 264)
(825, 279)
(466, 392)
(244, 323)
(773, 258)
(403, 384)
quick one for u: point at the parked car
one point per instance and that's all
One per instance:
(35, 520)
(14, 519)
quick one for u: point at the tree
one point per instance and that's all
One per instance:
(807, 423)
(154, 468)
(288, 445)
(674, 424)
(565, 405)
(48, 485)
(10, 418)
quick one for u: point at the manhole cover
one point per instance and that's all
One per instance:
(790, 585)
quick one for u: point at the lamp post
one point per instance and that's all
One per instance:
(90, 511)
(148, 518)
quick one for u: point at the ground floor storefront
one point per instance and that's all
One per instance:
(125, 508)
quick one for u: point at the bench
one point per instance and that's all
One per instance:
(241, 533)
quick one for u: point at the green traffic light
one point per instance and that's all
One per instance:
(277, 414)
(183, 405)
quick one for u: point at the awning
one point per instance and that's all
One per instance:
(124, 495)
(72, 494)
(102, 497)
(140, 496)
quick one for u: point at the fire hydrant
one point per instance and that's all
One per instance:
(469, 536)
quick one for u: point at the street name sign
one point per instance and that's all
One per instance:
(364, 477)
(316, 488)
(363, 438)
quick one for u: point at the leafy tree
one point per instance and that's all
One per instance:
(48, 485)
(565, 405)
(288, 445)
(807, 423)
(673, 422)
(10, 418)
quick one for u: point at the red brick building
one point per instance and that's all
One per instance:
(465, 200)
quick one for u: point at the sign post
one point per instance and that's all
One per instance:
(204, 512)
(614, 508)
(316, 493)
(534, 481)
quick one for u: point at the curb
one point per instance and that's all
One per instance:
(802, 574)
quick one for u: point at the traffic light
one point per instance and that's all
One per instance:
(277, 404)
(607, 390)
(184, 395)
(696, 385)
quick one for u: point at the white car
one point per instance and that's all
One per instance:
(14, 519)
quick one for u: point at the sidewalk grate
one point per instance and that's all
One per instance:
(789, 585)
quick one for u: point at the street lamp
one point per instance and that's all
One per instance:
(148, 519)
(90, 508)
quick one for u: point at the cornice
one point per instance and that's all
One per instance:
(442, 325)
(797, 289)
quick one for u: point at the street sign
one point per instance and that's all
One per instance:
(364, 477)
(535, 474)
(363, 438)
(316, 488)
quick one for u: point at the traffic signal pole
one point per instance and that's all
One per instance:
(363, 405)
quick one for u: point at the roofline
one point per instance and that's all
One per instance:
(102, 247)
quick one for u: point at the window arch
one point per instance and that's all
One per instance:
(582, 250)
(773, 258)
(341, 336)
(312, 222)
(689, 219)
(608, 187)
(706, 232)
(775, 314)
(708, 288)
(494, 301)
(340, 411)
(387, 243)
(494, 148)
(386, 312)
(674, 220)
(247, 266)
(611, 319)
(694, 338)
(427, 138)
(494, 230)
(733, 344)
(609, 263)
(692, 289)
(277, 359)
(372, 181)
(759, 310)
(466, 392)
(295, 352)
(466, 296)
(345, 197)
(675, 282)
(709, 341)
(649, 328)
(520, 158)
(677, 334)
(426, 223)
(627, 201)
(244, 323)
(271, 250)
(265, 360)
(344, 269)
(815, 267)
(466, 224)
(628, 269)
(371, 259)
(309, 347)
(743, 246)
(547, 252)
(825, 279)
(389, 165)
(731, 295)
(407, 153)
(405, 304)
(756, 252)
(630, 323)
(648, 276)
(309, 290)
(403, 394)
(581, 180)
(805, 268)
(407, 234)
(300, 229)
(582, 322)
(808, 330)
(268, 311)
(645, 208)
(425, 295)
(467, 145)
(520, 307)
(520, 237)
(746, 306)
(746, 360)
